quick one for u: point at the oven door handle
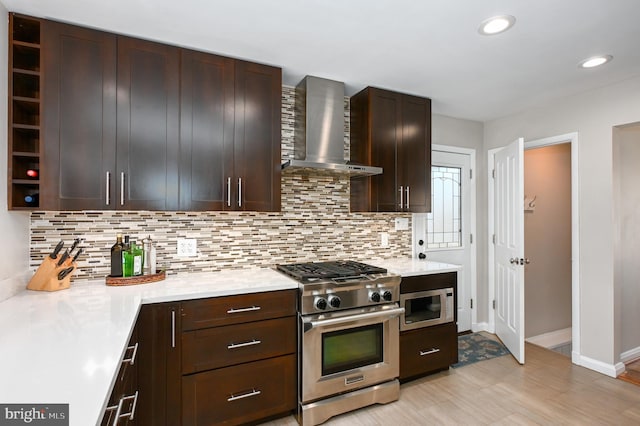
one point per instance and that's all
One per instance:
(391, 313)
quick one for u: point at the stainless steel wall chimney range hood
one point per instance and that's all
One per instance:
(319, 131)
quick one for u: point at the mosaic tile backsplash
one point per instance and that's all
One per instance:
(314, 224)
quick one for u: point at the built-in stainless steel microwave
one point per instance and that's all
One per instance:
(427, 308)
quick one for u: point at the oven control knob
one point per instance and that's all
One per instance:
(334, 302)
(321, 303)
(387, 295)
(374, 296)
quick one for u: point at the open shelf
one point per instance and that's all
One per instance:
(25, 111)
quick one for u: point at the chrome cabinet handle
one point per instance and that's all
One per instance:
(401, 190)
(107, 197)
(253, 392)
(228, 192)
(173, 328)
(391, 313)
(131, 360)
(119, 413)
(122, 188)
(407, 197)
(429, 352)
(239, 310)
(242, 345)
(239, 192)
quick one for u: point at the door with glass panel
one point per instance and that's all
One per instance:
(447, 229)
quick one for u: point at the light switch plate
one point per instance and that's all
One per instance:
(187, 247)
(402, 224)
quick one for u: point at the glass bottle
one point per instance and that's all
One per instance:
(116, 257)
(136, 252)
(127, 258)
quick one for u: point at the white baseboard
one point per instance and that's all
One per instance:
(611, 370)
(630, 355)
(552, 338)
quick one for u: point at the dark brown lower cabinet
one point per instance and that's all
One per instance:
(159, 376)
(427, 350)
(240, 394)
(242, 369)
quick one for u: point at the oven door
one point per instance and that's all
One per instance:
(348, 350)
(427, 308)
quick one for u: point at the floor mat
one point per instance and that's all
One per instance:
(476, 347)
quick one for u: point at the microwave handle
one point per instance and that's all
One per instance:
(450, 308)
(396, 312)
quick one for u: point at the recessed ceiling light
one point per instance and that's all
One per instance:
(595, 61)
(496, 24)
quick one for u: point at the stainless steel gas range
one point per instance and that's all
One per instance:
(348, 337)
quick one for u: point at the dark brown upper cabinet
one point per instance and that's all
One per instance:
(80, 120)
(230, 134)
(391, 130)
(136, 125)
(257, 167)
(148, 126)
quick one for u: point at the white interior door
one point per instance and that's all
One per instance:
(447, 229)
(509, 247)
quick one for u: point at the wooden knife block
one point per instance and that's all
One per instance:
(46, 276)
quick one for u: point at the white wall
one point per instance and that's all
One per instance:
(14, 226)
(626, 175)
(593, 115)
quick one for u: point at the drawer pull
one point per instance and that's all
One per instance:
(118, 408)
(244, 395)
(131, 360)
(242, 345)
(429, 352)
(240, 310)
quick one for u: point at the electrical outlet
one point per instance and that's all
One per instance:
(187, 247)
(384, 239)
(402, 224)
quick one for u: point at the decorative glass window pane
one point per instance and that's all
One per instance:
(444, 222)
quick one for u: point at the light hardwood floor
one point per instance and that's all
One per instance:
(547, 390)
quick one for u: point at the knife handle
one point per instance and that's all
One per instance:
(56, 250)
(64, 257)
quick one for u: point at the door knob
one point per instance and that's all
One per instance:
(514, 260)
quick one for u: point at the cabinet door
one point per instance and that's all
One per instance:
(414, 155)
(159, 376)
(148, 125)
(257, 137)
(206, 131)
(80, 119)
(386, 134)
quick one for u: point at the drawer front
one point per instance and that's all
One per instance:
(428, 282)
(214, 312)
(234, 344)
(240, 394)
(428, 350)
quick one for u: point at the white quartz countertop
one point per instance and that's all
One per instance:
(411, 267)
(66, 346)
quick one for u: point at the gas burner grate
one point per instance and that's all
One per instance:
(328, 270)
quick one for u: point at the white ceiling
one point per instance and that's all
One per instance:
(424, 47)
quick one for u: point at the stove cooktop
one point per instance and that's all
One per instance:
(314, 271)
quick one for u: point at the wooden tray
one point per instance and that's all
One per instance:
(140, 279)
